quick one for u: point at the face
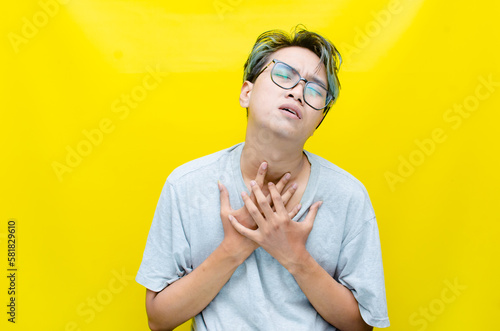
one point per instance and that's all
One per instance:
(271, 107)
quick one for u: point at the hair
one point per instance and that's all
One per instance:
(271, 41)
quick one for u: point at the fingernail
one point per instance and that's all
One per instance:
(264, 166)
(320, 203)
(287, 176)
(218, 184)
(253, 182)
(270, 183)
(294, 186)
(231, 217)
(299, 206)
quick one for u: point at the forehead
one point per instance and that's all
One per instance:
(303, 60)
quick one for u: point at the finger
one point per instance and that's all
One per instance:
(311, 215)
(252, 209)
(277, 201)
(224, 196)
(261, 200)
(283, 181)
(243, 230)
(294, 211)
(261, 174)
(280, 186)
(259, 179)
(289, 193)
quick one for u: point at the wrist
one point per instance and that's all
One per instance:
(301, 263)
(234, 253)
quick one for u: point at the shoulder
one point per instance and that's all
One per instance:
(331, 175)
(199, 168)
(345, 195)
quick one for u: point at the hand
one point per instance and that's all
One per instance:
(281, 237)
(234, 242)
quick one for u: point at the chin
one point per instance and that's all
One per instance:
(284, 131)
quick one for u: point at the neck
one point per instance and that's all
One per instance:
(282, 156)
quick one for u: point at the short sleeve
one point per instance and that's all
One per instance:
(360, 270)
(167, 254)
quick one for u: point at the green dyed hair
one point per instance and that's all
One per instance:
(273, 40)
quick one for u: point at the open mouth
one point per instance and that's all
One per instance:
(291, 111)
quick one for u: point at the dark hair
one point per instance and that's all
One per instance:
(273, 40)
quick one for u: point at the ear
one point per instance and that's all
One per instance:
(246, 91)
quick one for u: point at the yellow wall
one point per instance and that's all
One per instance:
(137, 88)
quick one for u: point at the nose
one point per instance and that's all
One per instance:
(297, 92)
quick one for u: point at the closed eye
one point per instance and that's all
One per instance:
(314, 91)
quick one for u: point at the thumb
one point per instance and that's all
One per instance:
(224, 196)
(311, 215)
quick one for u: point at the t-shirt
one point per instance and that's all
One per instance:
(262, 294)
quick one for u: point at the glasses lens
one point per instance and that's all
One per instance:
(284, 75)
(315, 95)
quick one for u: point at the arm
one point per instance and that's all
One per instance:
(189, 295)
(285, 240)
(333, 301)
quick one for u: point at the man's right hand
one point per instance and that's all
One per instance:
(234, 243)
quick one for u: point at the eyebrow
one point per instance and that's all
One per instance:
(314, 77)
(318, 81)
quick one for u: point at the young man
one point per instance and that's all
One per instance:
(265, 235)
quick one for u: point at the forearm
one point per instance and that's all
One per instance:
(189, 295)
(333, 301)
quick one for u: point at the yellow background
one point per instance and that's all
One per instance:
(407, 64)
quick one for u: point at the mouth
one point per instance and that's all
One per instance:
(291, 109)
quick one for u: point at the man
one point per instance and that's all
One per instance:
(299, 248)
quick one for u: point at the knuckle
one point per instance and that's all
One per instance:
(253, 211)
(261, 200)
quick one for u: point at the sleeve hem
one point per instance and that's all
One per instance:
(155, 286)
(378, 322)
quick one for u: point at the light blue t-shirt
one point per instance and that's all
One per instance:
(262, 294)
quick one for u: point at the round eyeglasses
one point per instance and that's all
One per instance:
(315, 94)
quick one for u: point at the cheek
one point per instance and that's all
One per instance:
(314, 120)
(316, 117)
(263, 94)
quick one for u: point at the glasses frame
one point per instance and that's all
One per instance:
(329, 97)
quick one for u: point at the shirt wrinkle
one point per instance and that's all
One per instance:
(357, 232)
(261, 294)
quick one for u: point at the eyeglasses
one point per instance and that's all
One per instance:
(315, 95)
